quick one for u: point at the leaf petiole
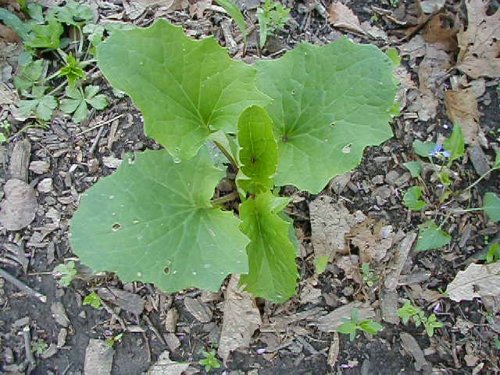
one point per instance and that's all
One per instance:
(227, 154)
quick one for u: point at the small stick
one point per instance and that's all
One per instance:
(155, 331)
(114, 315)
(21, 286)
(102, 123)
(96, 141)
(27, 345)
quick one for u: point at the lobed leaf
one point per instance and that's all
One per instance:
(258, 153)
(152, 221)
(271, 254)
(330, 102)
(186, 89)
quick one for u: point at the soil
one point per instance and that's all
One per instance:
(78, 154)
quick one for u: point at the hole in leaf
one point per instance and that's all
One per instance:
(116, 226)
(254, 159)
(167, 270)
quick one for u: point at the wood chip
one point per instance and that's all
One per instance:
(125, 300)
(333, 320)
(411, 346)
(165, 366)
(59, 314)
(333, 352)
(198, 310)
(18, 209)
(19, 160)
(389, 305)
(98, 358)
(404, 247)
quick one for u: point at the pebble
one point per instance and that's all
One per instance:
(45, 186)
(378, 179)
(39, 167)
(111, 162)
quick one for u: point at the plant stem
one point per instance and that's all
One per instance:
(481, 178)
(226, 198)
(227, 154)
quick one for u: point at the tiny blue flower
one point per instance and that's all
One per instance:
(436, 151)
(446, 154)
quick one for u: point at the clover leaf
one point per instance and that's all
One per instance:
(78, 100)
(45, 36)
(186, 89)
(40, 104)
(156, 224)
(29, 75)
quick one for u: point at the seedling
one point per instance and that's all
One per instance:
(272, 17)
(369, 277)
(409, 311)
(351, 326)
(113, 340)
(44, 35)
(65, 272)
(159, 218)
(93, 300)
(209, 360)
(493, 254)
(38, 347)
(4, 131)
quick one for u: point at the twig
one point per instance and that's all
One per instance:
(96, 141)
(155, 331)
(21, 286)
(114, 315)
(102, 123)
(224, 199)
(27, 345)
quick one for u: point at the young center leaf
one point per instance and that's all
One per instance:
(271, 254)
(258, 151)
(185, 88)
(330, 102)
(152, 221)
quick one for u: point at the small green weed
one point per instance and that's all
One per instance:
(351, 326)
(409, 311)
(210, 360)
(111, 341)
(65, 272)
(92, 300)
(272, 17)
(38, 347)
(369, 277)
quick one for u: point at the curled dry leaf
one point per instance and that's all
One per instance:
(19, 207)
(461, 107)
(241, 319)
(478, 280)
(341, 17)
(480, 43)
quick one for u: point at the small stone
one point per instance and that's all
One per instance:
(59, 314)
(378, 179)
(39, 167)
(383, 192)
(93, 165)
(45, 186)
(111, 162)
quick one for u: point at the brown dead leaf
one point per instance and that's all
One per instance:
(330, 223)
(442, 32)
(480, 43)
(8, 35)
(333, 320)
(373, 239)
(476, 281)
(461, 107)
(241, 319)
(18, 209)
(341, 17)
(432, 69)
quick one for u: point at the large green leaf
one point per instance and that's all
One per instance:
(186, 89)
(330, 102)
(271, 255)
(152, 221)
(258, 153)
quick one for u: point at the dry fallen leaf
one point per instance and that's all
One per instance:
(18, 209)
(476, 281)
(341, 17)
(373, 239)
(432, 69)
(480, 43)
(461, 107)
(334, 319)
(330, 223)
(241, 319)
(165, 366)
(441, 32)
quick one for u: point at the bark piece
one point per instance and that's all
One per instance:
(165, 366)
(333, 320)
(98, 358)
(18, 209)
(125, 300)
(19, 160)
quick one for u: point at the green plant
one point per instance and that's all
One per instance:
(4, 131)
(272, 17)
(369, 277)
(111, 341)
(493, 254)
(38, 347)
(65, 272)
(409, 311)
(232, 9)
(351, 326)
(56, 32)
(93, 300)
(162, 218)
(209, 360)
